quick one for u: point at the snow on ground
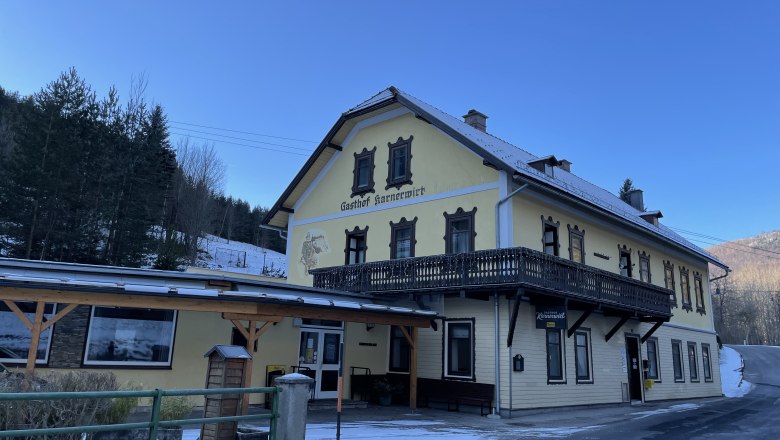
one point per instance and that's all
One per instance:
(731, 366)
(396, 429)
(234, 256)
(672, 409)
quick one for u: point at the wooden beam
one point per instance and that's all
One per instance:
(247, 317)
(652, 330)
(579, 322)
(19, 314)
(616, 328)
(413, 368)
(513, 321)
(32, 354)
(241, 329)
(172, 302)
(264, 328)
(408, 338)
(69, 308)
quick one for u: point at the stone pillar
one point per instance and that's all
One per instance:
(293, 406)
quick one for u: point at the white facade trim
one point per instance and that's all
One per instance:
(406, 202)
(693, 329)
(505, 238)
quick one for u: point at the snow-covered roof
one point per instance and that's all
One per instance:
(517, 160)
(298, 295)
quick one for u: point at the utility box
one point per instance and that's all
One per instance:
(227, 366)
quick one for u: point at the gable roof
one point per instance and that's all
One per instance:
(499, 153)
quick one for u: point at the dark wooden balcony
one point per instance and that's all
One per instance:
(503, 269)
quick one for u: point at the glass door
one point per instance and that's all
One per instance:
(319, 358)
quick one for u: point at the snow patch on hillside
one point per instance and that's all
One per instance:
(233, 256)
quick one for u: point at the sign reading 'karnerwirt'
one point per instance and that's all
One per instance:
(382, 199)
(551, 317)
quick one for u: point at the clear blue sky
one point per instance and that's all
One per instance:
(683, 97)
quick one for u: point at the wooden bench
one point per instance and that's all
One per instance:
(455, 392)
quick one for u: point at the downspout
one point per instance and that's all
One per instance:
(496, 409)
(274, 228)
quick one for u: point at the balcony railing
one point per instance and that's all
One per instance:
(497, 268)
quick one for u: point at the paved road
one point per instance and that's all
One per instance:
(755, 416)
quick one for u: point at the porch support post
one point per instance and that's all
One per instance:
(413, 370)
(36, 337)
(250, 347)
(616, 328)
(655, 327)
(579, 322)
(412, 340)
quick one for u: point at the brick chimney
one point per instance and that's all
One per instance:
(476, 119)
(565, 165)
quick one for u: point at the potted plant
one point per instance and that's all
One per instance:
(383, 389)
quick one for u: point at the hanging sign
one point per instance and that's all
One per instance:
(551, 317)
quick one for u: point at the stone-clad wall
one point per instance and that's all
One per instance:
(70, 333)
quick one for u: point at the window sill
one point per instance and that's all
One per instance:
(584, 382)
(460, 378)
(556, 382)
(397, 184)
(708, 380)
(679, 381)
(362, 192)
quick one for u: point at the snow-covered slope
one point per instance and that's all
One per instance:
(234, 256)
(731, 367)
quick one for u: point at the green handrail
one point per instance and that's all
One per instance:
(155, 421)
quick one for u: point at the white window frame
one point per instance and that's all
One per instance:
(446, 363)
(31, 317)
(119, 364)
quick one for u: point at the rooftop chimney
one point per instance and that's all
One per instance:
(637, 199)
(652, 217)
(476, 120)
(565, 165)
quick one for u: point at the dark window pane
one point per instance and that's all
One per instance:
(459, 347)
(677, 361)
(15, 338)
(583, 360)
(330, 380)
(330, 353)
(363, 169)
(554, 358)
(130, 336)
(652, 359)
(399, 351)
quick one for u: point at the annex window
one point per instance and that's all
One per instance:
(402, 238)
(460, 233)
(669, 280)
(653, 372)
(15, 338)
(685, 289)
(677, 360)
(576, 244)
(624, 262)
(399, 350)
(363, 174)
(459, 349)
(698, 289)
(555, 358)
(355, 252)
(693, 363)
(550, 243)
(130, 337)
(582, 356)
(706, 362)
(644, 267)
(399, 171)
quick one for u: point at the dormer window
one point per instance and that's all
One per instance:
(399, 171)
(363, 174)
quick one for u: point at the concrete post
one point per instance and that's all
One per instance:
(293, 406)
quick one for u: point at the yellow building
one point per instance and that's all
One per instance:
(551, 290)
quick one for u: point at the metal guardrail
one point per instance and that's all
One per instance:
(155, 421)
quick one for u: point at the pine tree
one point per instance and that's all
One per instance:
(625, 191)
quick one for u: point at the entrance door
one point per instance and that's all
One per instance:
(634, 368)
(320, 353)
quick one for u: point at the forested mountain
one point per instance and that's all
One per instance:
(747, 307)
(90, 179)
